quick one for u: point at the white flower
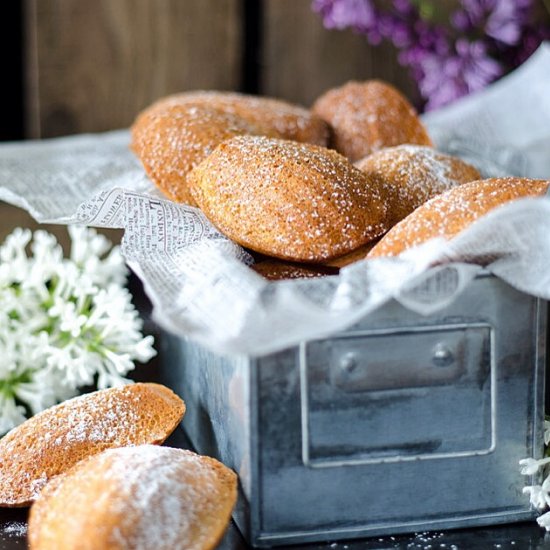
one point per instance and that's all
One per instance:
(144, 350)
(537, 496)
(13, 257)
(544, 521)
(42, 391)
(86, 244)
(11, 414)
(68, 317)
(87, 250)
(530, 466)
(64, 323)
(46, 260)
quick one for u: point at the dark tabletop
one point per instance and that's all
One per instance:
(519, 536)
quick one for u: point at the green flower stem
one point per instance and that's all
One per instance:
(434, 11)
(86, 308)
(8, 385)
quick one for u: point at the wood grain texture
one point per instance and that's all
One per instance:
(12, 217)
(301, 59)
(91, 66)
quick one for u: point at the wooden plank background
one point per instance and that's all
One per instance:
(91, 66)
(301, 59)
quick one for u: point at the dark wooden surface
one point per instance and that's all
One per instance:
(301, 59)
(12, 217)
(521, 536)
(91, 66)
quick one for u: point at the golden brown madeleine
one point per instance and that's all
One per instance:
(410, 175)
(352, 257)
(450, 213)
(277, 118)
(171, 139)
(290, 200)
(135, 498)
(368, 116)
(276, 270)
(53, 441)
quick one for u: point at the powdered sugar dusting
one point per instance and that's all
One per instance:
(412, 174)
(171, 139)
(367, 116)
(451, 212)
(277, 118)
(162, 493)
(52, 441)
(173, 135)
(275, 270)
(139, 497)
(14, 529)
(290, 200)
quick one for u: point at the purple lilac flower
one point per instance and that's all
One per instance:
(424, 40)
(485, 39)
(404, 7)
(339, 14)
(500, 19)
(466, 69)
(507, 19)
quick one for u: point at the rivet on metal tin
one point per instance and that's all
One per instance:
(442, 355)
(348, 362)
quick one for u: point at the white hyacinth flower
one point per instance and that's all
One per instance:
(530, 466)
(544, 521)
(539, 495)
(11, 414)
(64, 323)
(14, 264)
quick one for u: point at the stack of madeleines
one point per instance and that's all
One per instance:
(310, 191)
(97, 479)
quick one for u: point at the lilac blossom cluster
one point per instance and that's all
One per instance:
(449, 57)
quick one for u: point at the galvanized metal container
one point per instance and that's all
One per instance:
(400, 423)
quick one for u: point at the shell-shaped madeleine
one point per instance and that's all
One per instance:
(453, 211)
(135, 498)
(171, 139)
(368, 116)
(277, 118)
(289, 200)
(277, 270)
(410, 175)
(54, 440)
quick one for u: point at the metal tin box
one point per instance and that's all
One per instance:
(400, 423)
